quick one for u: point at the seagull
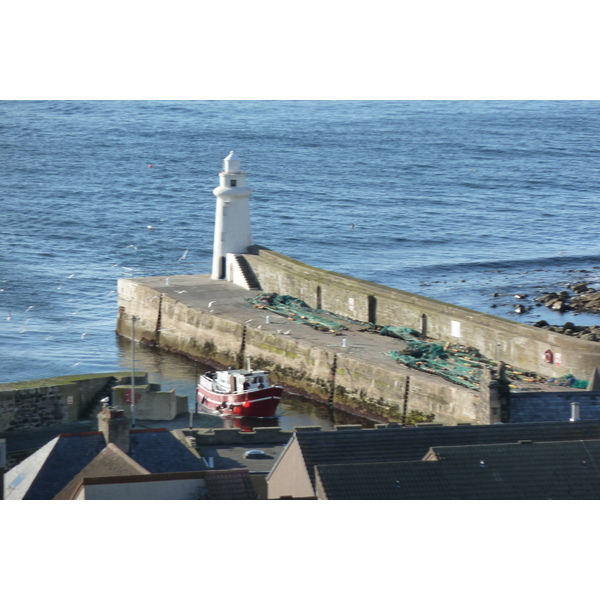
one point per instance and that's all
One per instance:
(211, 303)
(9, 316)
(181, 292)
(248, 321)
(150, 228)
(29, 308)
(71, 276)
(132, 246)
(184, 255)
(167, 281)
(83, 335)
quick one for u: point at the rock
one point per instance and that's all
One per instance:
(559, 305)
(579, 288)
(541, 323)
(589, 302)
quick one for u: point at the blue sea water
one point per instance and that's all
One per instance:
(457, 200)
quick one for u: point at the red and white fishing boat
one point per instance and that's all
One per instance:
(238, 393)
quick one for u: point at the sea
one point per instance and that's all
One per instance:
(469, 202)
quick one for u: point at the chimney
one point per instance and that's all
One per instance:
(574, 411)
(114, 426)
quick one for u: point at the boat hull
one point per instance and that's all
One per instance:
(255, 403)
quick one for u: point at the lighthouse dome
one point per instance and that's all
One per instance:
(231, 163)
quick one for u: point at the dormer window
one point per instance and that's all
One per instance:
(233, 182)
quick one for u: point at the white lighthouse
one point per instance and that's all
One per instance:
(232, 220)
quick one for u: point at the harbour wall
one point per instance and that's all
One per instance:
(36, 404)
(377, 389)
(520, 345)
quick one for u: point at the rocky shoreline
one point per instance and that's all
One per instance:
(580, 299)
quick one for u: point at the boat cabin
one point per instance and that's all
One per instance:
(240, 380)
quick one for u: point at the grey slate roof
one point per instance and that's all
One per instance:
(46, 472)
(234, 484)
(412, 443)
(159, 451)
(109, 462)
(529, 407)
(42, 475)
(523, 471)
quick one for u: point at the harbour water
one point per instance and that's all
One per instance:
(471, 202)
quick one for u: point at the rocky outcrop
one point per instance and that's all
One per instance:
(589, 333)
(584, 299)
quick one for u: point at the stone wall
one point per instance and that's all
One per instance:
(522, 346)
(45, 403)
(360, 385)
(350, 383)
(316, 372)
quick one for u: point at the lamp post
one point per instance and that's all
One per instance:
(133, 320)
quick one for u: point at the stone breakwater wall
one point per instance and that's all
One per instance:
(322, 372)
(30, 405)
(522, 346)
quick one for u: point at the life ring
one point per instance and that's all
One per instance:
(548, 357)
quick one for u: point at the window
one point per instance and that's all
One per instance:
(233, 182)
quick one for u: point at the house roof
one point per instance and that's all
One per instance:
(109, 462)
(234, 484)
(159, 451)
(528, 407)
(523, 471)
(46, 472)
(392, 444)
(43, 474)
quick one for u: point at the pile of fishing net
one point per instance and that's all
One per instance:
(402, 333)
(297, 310)
(454, 362)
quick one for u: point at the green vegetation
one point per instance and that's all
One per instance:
(56, 381)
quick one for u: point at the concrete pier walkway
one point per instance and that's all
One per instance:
(227, 300)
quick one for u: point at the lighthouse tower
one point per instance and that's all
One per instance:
(232, 220)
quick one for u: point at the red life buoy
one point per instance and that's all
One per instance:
(548, 356)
